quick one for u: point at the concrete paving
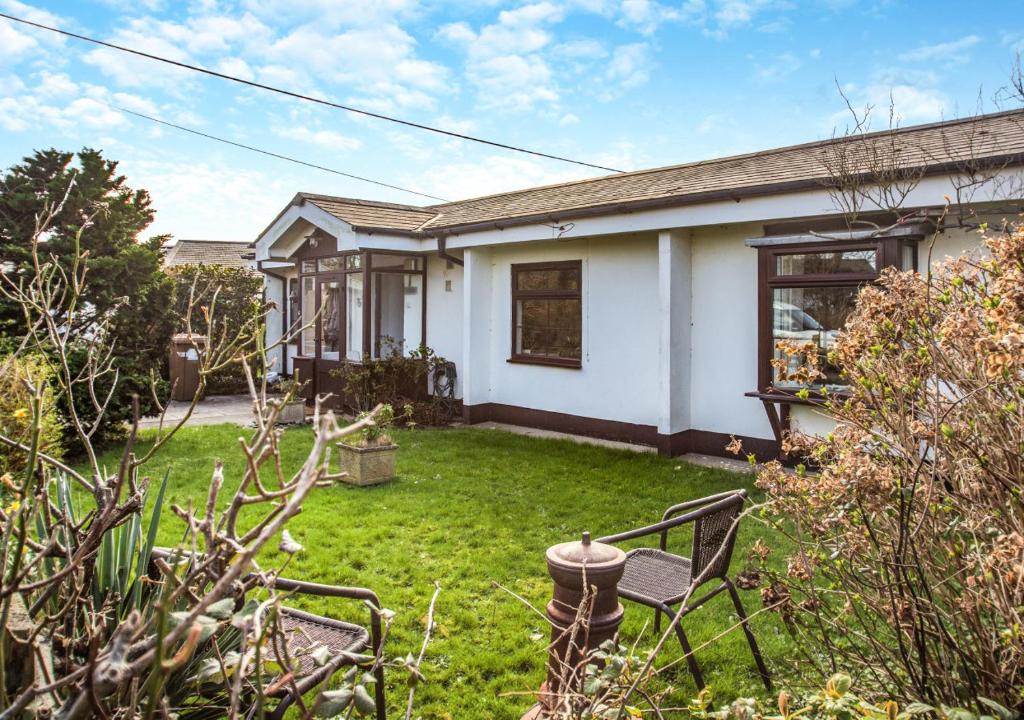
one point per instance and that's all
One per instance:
(212, 410)
(733, 465)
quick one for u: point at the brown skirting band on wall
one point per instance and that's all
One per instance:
(687, 441)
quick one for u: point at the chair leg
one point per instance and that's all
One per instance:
(691, 661)
(754, 649)
(378, 691)
(657, 621)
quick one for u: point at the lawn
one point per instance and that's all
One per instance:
(471, 508)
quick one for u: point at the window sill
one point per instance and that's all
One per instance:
(549, 361)
(790, 397)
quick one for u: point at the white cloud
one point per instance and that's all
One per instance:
(493, 174)
(131, 71)
(23, 112)
(954, 52)
(380, 61)
(580, 49)
(327, 139)
(911, 103)
(331, 14)
(629, 66)
(778, 68)
(504, 60)
(235, 66)
(646, 16)
(190, 196)
(56, 85)
(568, 119)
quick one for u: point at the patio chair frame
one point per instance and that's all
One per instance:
(714, 538)
(322, 628)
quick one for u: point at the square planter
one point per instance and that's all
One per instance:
(367, 465)
(293, 413)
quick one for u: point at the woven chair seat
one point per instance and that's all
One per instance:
(306, 632)
(655, 576)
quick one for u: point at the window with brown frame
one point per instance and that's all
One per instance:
(806, 293)
(547, 313)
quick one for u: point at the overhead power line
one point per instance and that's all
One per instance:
(300, 96)
(272, 154)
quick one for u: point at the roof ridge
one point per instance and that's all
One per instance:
(313, 197)
(741, 156)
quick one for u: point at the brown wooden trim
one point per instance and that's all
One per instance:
(888, 252)
(561, 422)
(423, 307)
(688, 441)
(367, 296)
(571, 363)
(557, 294)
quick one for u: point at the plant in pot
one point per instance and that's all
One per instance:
(293, 405)
(369, 459)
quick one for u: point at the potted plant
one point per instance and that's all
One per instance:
(369, 459)
(293, 408)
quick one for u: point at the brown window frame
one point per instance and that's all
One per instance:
(889, 253)
(517, 294)
(370, 343)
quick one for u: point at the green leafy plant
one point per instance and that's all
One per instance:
(19, 373)
(397, 379)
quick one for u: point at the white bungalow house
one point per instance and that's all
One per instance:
(642, 306)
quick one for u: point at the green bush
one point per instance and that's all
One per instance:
(398, 380)
(16, 410)
(238, 294)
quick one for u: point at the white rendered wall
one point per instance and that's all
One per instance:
(674, 343)
(475, 372)
(444, 313)
(619, 378)
(724, 333)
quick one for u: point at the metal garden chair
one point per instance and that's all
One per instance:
(305, 632)
(659, 579)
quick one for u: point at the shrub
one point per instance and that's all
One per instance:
(127, 294)
(909, 561)
(16, 410)
(398, 380)
(233, 296)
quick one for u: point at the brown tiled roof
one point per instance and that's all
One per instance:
(207, 252)
(937, 146)
(367, 213)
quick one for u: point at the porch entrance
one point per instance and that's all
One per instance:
(352, 307)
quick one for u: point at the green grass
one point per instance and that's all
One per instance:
(471, 508)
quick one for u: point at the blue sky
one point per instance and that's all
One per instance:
(624, 83)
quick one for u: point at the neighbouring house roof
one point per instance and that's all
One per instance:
(938, 147)
(227, 253)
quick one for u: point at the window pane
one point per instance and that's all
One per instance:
(308, 315)
(330, 320)
(810, 316)
(844, 261)
(548, 328)
(560, 279)
(308, 266)
(330, 264)
(353, 262)
(383, 261)
(397, 313)
(354, 317)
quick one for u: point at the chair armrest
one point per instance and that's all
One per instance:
(337, 591)
(662, 527)
(320, 590)
(701, 502)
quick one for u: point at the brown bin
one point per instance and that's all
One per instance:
(185, 350)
